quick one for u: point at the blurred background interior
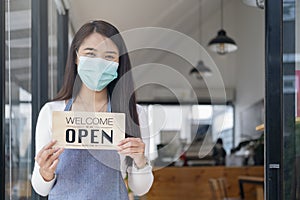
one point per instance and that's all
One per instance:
(184, 134)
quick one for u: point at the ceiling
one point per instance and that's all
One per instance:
(184, 16)
(173, 14)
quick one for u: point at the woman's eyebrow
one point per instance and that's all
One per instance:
(112, 52)
(90, 49)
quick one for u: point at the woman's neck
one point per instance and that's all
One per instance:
(89, 100)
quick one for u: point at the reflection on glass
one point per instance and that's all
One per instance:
(52, 42)
(291, 99)
(18, 100)
(186, 135)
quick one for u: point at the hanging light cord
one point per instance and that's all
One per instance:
(221, 13)
(200, 22)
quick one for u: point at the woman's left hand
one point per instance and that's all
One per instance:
(135, 148)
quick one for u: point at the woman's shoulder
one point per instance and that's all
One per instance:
(54, 105)
(48, 108)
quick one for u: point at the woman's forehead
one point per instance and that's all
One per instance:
(98, 42)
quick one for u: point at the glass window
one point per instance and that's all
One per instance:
(52, 40)
(186, 129)
(291, 100)
(18, 100)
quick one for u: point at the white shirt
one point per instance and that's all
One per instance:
(139, 180)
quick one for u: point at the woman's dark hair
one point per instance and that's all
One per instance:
(120, 95)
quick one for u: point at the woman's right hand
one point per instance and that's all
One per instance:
(47, 158)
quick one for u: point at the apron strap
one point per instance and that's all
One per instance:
(108, 104)
(69, 104)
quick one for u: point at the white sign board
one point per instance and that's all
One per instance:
(88, 130)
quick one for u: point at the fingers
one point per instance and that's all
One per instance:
(54, 157)
(50, 144)
(47, 159)
(54, 165)
(131, 139)
(46, 153)
(131, 143)
(47, 146)
(132, 147)
(130, 150)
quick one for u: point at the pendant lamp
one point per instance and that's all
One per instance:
(222, 44)
(200, 69)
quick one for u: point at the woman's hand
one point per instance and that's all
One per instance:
(135, 148)
(47, 158)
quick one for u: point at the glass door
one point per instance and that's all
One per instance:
(26, 76)
(17, 99)
(282, 100)
(291, 99)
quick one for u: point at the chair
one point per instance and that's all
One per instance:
(219, 189)
(215, 189)
(223, 187)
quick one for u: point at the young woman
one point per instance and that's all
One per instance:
(99, 57)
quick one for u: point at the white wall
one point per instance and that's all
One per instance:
(243, 71)
(168, 118)
(226, 65)
(250, 84)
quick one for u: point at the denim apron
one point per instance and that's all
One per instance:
(84, 174)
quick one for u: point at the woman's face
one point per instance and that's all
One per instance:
(97, 46)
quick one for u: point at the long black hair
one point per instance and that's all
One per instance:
(123, 96)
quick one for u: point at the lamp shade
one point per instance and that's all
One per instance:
(200, 70)
(222, 44)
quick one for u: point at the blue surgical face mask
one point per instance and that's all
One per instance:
(97, 73)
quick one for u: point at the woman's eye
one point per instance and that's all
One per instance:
(90, 54)
(110, 57)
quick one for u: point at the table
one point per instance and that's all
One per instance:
(249, 179)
